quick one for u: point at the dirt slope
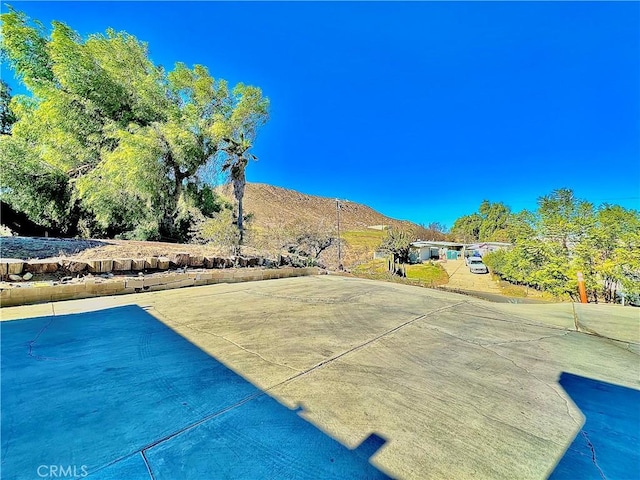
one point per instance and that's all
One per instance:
(275, 206)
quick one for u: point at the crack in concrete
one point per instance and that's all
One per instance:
(462, 404)
(31, 343)
(485, 347)
(524, 320)
(311, 300)
(564, 400)
(579, 328)
(576, 324)
(527, 341)
(613, 341)
(594, 459)
(333, 359)
(7, 441)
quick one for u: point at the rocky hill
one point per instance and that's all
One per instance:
(275, 206)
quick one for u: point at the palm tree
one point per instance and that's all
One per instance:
(238, 157)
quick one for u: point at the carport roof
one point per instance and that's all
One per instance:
(421, 243)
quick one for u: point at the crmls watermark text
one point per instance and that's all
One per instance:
(62, 471)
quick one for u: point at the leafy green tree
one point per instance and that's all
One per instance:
(613, 248)
(132, 145)
(467, 228)
(563, 218)
(522, 225)
(495, 222)
(398, 243)
(625, 263)
(7, 117)
(566, 236)
(218, 230)
(490, 223)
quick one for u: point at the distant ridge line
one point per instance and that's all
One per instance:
(272, 206)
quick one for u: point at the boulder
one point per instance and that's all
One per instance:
(42, 266)
(139, 264)
(11, 266)
(163, 263)
(100, 266)
(122, 264)
(74, 266)
(152, 262)
(196, 261)
(180, 259)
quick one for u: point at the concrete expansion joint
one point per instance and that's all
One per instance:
(146, 463)
(362, 345)
(242, 348)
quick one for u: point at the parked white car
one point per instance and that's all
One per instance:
(466, 259)
(476, 266)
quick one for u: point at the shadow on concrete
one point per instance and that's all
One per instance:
(607, 444)
(117, 394)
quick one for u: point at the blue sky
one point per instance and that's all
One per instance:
(420, 109)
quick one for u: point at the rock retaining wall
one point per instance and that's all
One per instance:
(13, 266)
(95, 286)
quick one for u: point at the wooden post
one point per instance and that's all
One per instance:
(582, 289)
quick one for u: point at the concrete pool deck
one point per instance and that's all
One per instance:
(452, 386)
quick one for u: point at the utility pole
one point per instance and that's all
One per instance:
(338, 207)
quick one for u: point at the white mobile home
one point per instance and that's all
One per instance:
(422, 250)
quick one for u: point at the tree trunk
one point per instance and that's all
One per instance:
(239, 182)
(240, 226)
(178, 190)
